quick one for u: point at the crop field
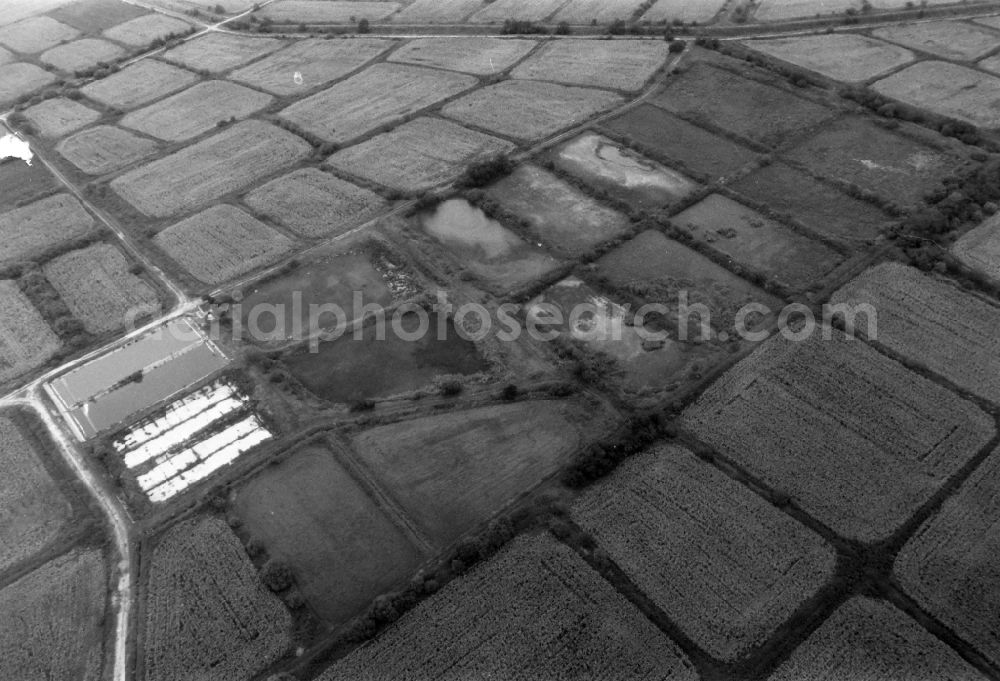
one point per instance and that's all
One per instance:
(437, 11)
(601, 11)
(26, 341)
(139, 84)
(693, 148)
(60, 116)
(614, 64)
(381, 94)
(756, 111)
(529, 110)
(458, 480)
(55, 619)
(816, 205)
(857, 151)
(318, 62)
(81, 54)
(196, 110)
(873, 441)
(868, 638)
(721, 562)
(527, 10)
(845, 57)
(222, 242)
(325, 11)
(227, 162)
(314, 204)
(932, 323)
(979, 249)
(104, 149)
(745, 236)
(19, 79)
(6, 56)
(206, 613)
(947, 39)
(562, 216)
(535, 611)
(418, 155)
(342, 547)
(778, 10)
(218, 52)
(683, 10)
(946, 89)
(481, 56)
(23, 183)
(143, 30)
(36, 34)
(94, 16)
(31, 230)
(97, 286)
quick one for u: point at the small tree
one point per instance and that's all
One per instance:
(276, 575)
(364, 26)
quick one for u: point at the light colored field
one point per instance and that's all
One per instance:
(6, 56)
(20, 79)
(196, 110)
(979, 248)
(613, 64)
(60, 116)
(437, 11)
(141, 31)
(527, 10)
(26, 341)
(777, 10)
(15, 10)
(98, 288)
(535, 611)
(55, 619)
(481, 56)
(104, 149)
(841, 56)
(29, 231)
(946, 89)
(206, 6)
(853, 437)
(868, 638)
(418, 155)
(721, 562)
(601, 11)
(932, 323)
(318, 62)
(529, 110)
(381, 94)
(206, 613)
(139, 84)
(946, 39)
(685, 10)
(82, 54)
(218, 52)
(222, 242)
(326, 11)
(230, 161)
(36, 34)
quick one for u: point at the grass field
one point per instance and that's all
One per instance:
(529, 110)
(683, 10)
(946, 39)
(872, 441)
(601, 11)
(946, 89)
(32, 230)
(535, 611)
(220, 243)
(417, 155)
(481, 56)
(344, 550)
(26, 341)
(143, 30)
(979, 249)
(196, 110)
(97, 286)
(218, 52)
(36, 34)
(81, 54)
(524, 10)
(205, 613)
(326, 11)
(105, 149)
(20, 79)
(614, 64)
(437, 11)
(23, 183)
(721, 562)
(55, 620)
(60, 116)
(139, 84)
(227, 162)
(841, 56)
(381, 94)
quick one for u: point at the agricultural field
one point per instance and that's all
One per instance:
(601, 11)
(683, 10)
(523, 10)
(481, 56)
(846, 57)
(23, 183)
(529, 110)
(20, 79)
(459, 481)
(227, 162)
(535, 611)
(946, 39)
(720, 561)
(873, 440)
(979, 249)
(54, 620)
(218, 52)
(104, 149)
(94, 16)
(756, 242)
(418, 155)
(220, 243)
(325, 11)
(206, 613)
(143, 30)
(100, 291)
(868, 638)
(342, 546)
(6, 56)
(437, 11)
(59, 116)
(694, 149)
(381, 94)
(314, 204)
(613, 64)
(778, 10)
(196, 110)
(756, 111)
(32, 230)
(81, 54)
(563, 217)
(946, 89)
(932, 323)
(139, 84)
(36, 34)
(26, 341)
(317, 62)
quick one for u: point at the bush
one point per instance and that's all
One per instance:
(276, 575)
(563, 28)
(677, 46)
(483, 172)
(364, 26)
(450, 388)
(509, 392)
